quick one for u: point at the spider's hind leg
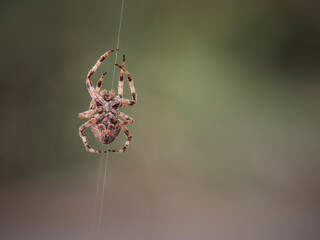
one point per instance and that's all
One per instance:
(129, 139)
(83, 137)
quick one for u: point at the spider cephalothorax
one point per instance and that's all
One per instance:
(103, 111)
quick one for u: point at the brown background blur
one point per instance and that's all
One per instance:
(226, 132)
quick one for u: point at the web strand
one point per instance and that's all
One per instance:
(106, 148)
(118, 41)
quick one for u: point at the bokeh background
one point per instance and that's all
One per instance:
(226, 133)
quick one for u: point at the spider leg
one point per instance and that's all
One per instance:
(99, 83)
(126, 117)
(87, 114)
(90, 87)
(129, 139)
(120, 85)
(95, 105)
(83, 137)
(127, 102)
(132, 89)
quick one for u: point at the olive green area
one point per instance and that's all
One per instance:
(226, 138)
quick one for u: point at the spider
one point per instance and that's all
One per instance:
(103, 111)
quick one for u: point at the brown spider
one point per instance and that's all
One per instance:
(103, 109)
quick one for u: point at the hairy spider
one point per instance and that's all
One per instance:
(103, 111)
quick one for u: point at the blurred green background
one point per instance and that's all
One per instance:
(226, 133)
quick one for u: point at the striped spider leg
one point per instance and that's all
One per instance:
(84, 126)
(126, 102)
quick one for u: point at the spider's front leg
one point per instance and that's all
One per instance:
(83, 137)
(90, 87)
(126, 102)
(99, 83)
(120, 84)
(129, 139)
(93, 103)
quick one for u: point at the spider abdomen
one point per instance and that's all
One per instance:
(106, 131)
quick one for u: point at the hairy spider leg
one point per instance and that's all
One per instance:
(90, 87)
(99, 83)
(120, 85)
(129, 139)
(126, 102)
(127, 118)
(93, 103)
(83, 137)
(88, 114)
